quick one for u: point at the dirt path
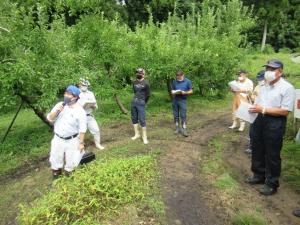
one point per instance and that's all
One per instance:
(180, 164)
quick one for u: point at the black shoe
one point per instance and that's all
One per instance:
(267, 190)
(296, 212)
(255, 180)
(56, 174)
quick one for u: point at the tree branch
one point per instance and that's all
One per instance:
(4, 29)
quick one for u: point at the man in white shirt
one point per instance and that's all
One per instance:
(67, 144)
(273, 104)
(88, 101)
(245, 87)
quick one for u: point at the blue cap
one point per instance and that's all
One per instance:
(260, 75)
(73, 90)
(274, 63)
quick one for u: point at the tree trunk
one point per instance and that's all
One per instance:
(37, 111)
(121, 106)
(263, 42)
(169, 86)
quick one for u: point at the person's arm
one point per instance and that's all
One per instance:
(148, 92)
(189, 92)
(51, 117)
(81, 141)
(269, 111)
(190, 89)
(95, 106)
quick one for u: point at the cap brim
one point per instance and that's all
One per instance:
(272, 66)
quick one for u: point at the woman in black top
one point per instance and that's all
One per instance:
(141, 90)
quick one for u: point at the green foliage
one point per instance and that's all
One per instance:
(269, 49)
(226, 182)
(27, 141)
(93, 192)
(41, 55)
(285, 50)
(245, 218)
(282, 23)
(291, 167)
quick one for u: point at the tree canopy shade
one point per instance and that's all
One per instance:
(42, 54)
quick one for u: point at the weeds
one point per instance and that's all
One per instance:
(95, 192)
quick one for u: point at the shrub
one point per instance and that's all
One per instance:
(93, 192)
(285, 50)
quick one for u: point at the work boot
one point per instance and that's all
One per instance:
(234, 124)
(56, 174)
(267, 190)
(67, 173)
(255, 180)
(144, 135)
(177, 130)
(296, 212)
(184, 132)
(97, 142)
(242, 126)
(136, 132)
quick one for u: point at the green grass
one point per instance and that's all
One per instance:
(290, 163)
(248, 218)
(254, 62)
(226, 182)
(98, 192)
(27, 141)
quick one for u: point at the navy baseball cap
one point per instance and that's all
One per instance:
(241, 71)
(260, 75)
(274, 63)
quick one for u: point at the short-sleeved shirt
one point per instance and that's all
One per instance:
(247, 85)
(70, 121)
(279, 95)
(141, 90)
(87, 97)
(184, 85)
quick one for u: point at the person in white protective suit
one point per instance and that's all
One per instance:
(88, 101)
(245, 86)
(67, 145)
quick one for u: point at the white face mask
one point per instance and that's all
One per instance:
(84, 88)
(261, 82)
(241, 78)
(270, 76)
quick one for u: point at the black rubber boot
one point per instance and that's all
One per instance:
(56, 174)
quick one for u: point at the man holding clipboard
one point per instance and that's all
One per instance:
(181, 88)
